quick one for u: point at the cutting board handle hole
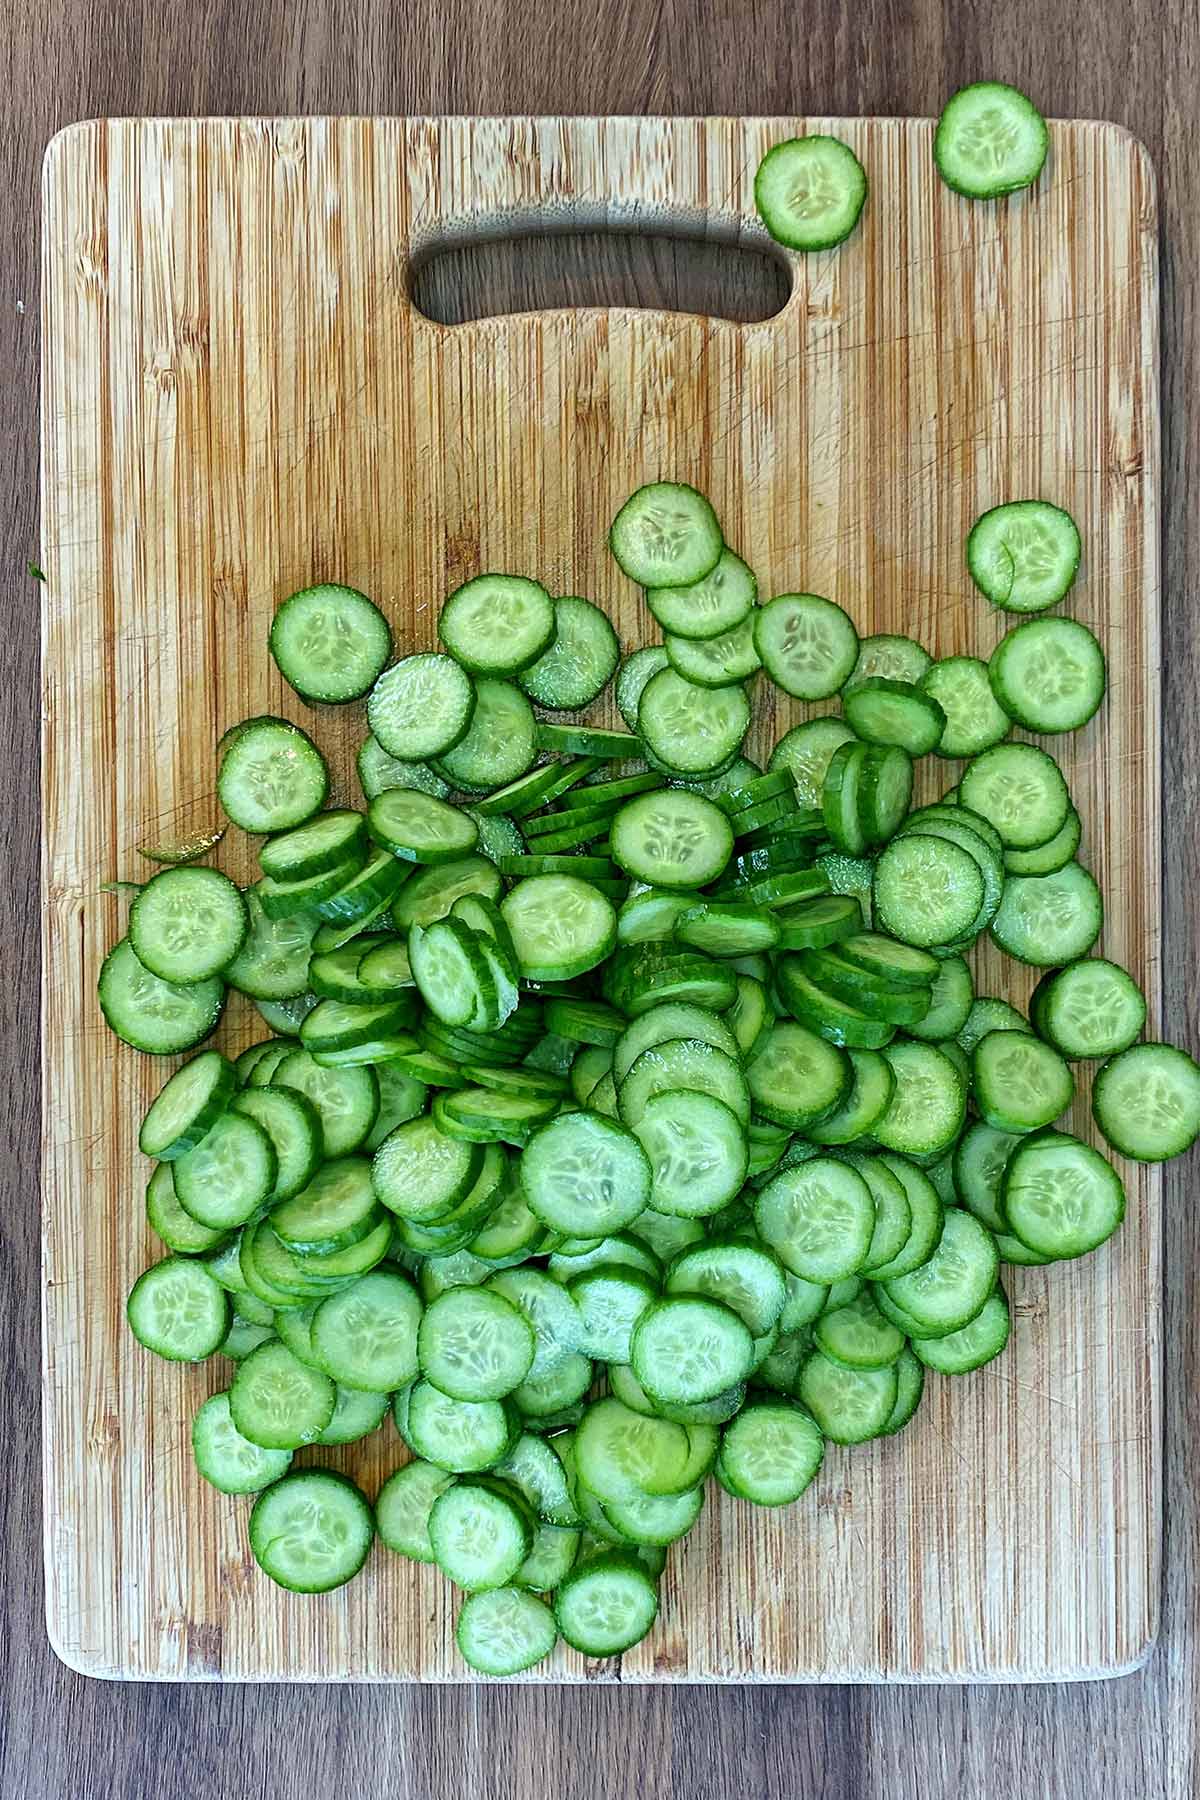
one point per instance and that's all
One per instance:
(457, 280)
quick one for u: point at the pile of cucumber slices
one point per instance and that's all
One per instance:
(629, 1115)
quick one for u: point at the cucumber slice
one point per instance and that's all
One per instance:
(504, 1631)
(560, 926)
(672, 839)
(812, 924)
(579, 662)
(895, 658)
(1146, 1101)
(990, 140)
(311, 1531)
(475, 1345)
(1048, 674)
(418, 828)
(928, 1105)
(497, 624)
(346, 1099)
(331, 643)
(805, 753)
(797, 1078)
(696, 1149)
(431, 893)
(975, 720)
(926, 890)
(294, 1129)
(366, 1336)
(807, 645)
(422, 706)
(770, 1453)
(1054, 854)
(1024, 556)
(159, 1017)
(666, 535)
(715, 661)
(177, 1310)
(1091, 1008)
(378, 770)
(606, 1605)
(864, 1105)
(858, 1336)
(683, 1063)
(1061, 1197)
(809, 192)
(1019, 1083)
(1048, 920)
(691, 730)
(948, 1290)
(980, 1157)
(272, 776)
(973, 1345)
(403, 1506)
(687, 1349)
(740, 1274)
(186, 924)
(226, 1459)
(849, 1405)
(463, 1437)
(707, 609)
(229, 1175)
(585, 1175)
(501, 743)
(188, 1106)
(818, 1218)
(894, 713)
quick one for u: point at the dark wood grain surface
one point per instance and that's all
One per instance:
(1136, 63)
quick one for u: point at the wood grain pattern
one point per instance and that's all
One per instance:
(238, 398)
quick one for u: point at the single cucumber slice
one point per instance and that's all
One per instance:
(226, 1459)
(378, 770)
(1048, 920)
(346, 1099)
(501, 742)
(431, 893)
(497, 624)
(331, 643)
(229, 1175)
(1019, 1083)
(672, 839)
(464, 1437)
(818, 1218)
(278, 1401)
(356, 1414)
(177, 1229)
(272, 963)
(188, 1106)
(403, 1507)
(691, 730)
(770, 1453)
(632, 677)
(797, 1078)
(177, 1310)
(849, 1405)
(579, 662)
(715, 661)
(1061, 1197)
(805, 753)
(423, 1175)
(812, 924)
(475, 1345)
(948, 1290)
(159, 1017)
(326, 842)
(420, 829)
(585, 1175)
(895, 658)
(606, 1605)
(1091, 1008)
(560, 926)
(864, 1105)
(809, 191)
(311, 1531)
(272, 776)
(422, 706)
(697, 1152)
(950, 1002)
(688, 1348)
(807, 645)
(975, 720)
(928, 1105)
(683, 1063)
(671, 1020)
(294, 1128)
(895, 713)
(858, 1336)
(622, 1454)
(504, 1631)
(926, 890)
(1024, 556)
(707, 609)
(666, 535)
(336, 1208)
(186, 924)
(1048, 674)
(739, 1273)
(990, 140)
(971, 1346)
(366, 1336)
(1146, 1101)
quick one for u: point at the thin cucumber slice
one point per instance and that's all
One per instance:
(621, 1454)
(864, 1105)
(1048, 920)
(584, 1021)
(895, 658)
(585, 1175)
(707, 609)
(690, 1064)
(556, 1324)
(497, 624)
(818, 1218)
(501, 743)
(797, 1078)
(1018, 1082)
(540, 1401)
(308, 894)
(188, 1106)
(165, 1216)
(484, 1115)
(579, 662)
(598, 798)
(356, 1414)
(1048, 674)
(858, 1336)
(656, 1519)
(950, 1002)
(177, 1310)
(344, 1025)
(451, 971)
(463, 1437)
(430, 893)
(641, 978)
(666, 535)
(1091, 1008)
(894, 713)
(421, 707)
(805, 753)
(366, 1336)
(692, 730)
(326, 842)
(587, 740)
(272, 963)
(610, 1302)
(1024, 556)
(849, 1405)
(948, 1290)
(989, 1014)
(840, 1021)
(423, 1175)
(809, 192)
(337, 1207)
(346, 1099)
(980, 1158)
(403, 1506)
(975, 720)
(672, 839)
(807, 645)
(272, 776)
(294, 1128)
(311, 1531)
(739, 1273)
(715, 661)
(884, 790)
(475, 1345)
(378, 770)
(662, 1024)
(419, 828)
(973, 1345)
(839, 798)
(813, 924)
(990, 140)
(648, 916)
(606, 1605)
(279, 1402)
(186, 924)
(885, 960)
(688, 1348)
(697, 1152)
(727, 929)
(159, 1017)
(1045, 858)
(331, 643)
(911, 1231)
(1061, 1197)
(632, 677)
(229, 1175)
(926, 890)
(504, 1631)
(560, 926)
(226, 1459)
(928, 1105)
(1146, 1101)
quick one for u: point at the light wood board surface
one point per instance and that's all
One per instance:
(239, 399)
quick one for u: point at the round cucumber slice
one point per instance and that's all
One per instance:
(810, 191)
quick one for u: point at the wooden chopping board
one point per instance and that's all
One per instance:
(239, 399)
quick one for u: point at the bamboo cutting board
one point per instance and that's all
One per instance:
(239, 399)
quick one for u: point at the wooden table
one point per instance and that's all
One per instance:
(73, 58)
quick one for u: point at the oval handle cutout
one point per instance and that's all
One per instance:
(457, 279)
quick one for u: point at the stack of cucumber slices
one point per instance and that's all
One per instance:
(629, 1117)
